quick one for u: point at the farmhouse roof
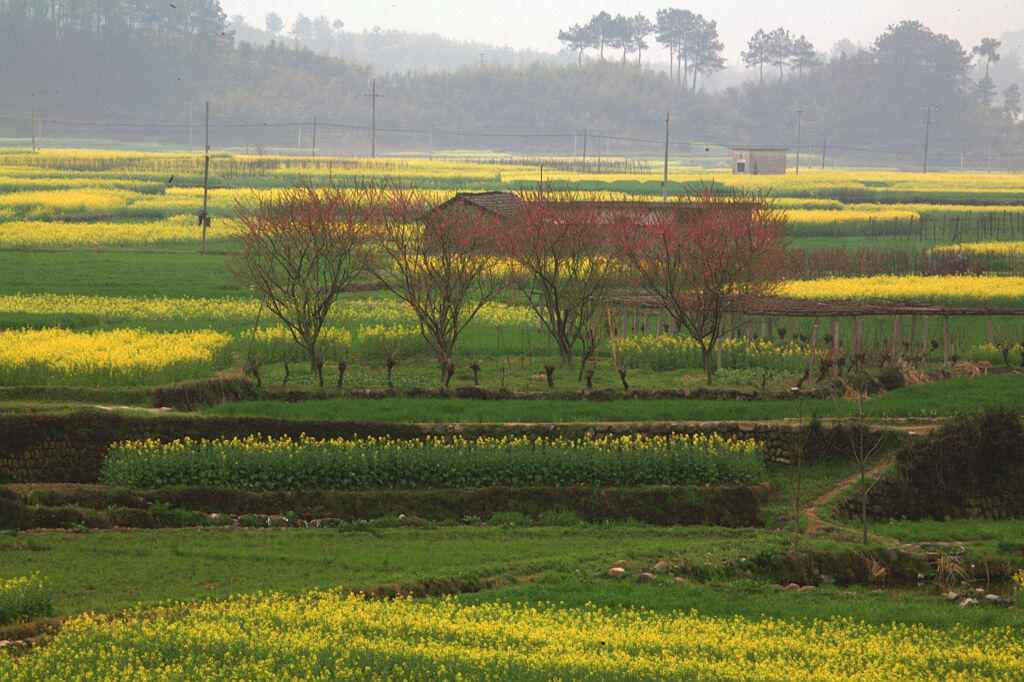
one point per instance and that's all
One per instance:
(501, 204)
(505, 205)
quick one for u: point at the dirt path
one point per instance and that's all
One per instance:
(816, 525)
(151, 410)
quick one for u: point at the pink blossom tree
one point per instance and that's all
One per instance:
(707, 254)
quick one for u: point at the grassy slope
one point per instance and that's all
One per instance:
(947, 397)
(111, 570)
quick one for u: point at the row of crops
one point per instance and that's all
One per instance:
(117, 341)
(375, 463)
(330, 636)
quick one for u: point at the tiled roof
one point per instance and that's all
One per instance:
(498, 203)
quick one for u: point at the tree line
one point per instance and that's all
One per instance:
(699, 257)
(692, 40)
(133, 69)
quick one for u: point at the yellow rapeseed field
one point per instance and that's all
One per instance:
(21, 234)
(117, 357)
(953, 289)
(328, 636)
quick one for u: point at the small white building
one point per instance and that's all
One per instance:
(759, 160)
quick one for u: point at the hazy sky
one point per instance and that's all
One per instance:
(535, 23)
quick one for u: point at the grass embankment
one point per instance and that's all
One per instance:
(923, 401)
(106, 571)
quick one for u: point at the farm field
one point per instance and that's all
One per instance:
(194, 520)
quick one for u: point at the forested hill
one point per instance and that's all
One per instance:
(134, 69)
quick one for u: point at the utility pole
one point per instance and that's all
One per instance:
(204, 218)
(927, 129)
(584, 149)
(373, 118)
(799, 117)
(190, 127)
(314, 137)
(824, 146)
(33, 121)
(664, 180)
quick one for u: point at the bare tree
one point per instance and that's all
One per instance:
(297, 248)
(441, 263)
(707, 254)
(864, 444)
(555, 246)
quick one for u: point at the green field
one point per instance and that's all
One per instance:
(98, 247)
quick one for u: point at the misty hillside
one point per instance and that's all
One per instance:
(140, 71)
(390, 51)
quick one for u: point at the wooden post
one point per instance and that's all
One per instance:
(924, 335)
(766, 329)
(945, 341)
(991, 337)
(835, 336)
(719, 351)
(913, 330)
(661, 329)
(814, 347)
(636, 320)
(897, 337)
(625, 318)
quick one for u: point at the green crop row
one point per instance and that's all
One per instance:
(267, 464)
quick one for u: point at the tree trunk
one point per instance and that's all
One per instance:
(863, 501)
(705, 352)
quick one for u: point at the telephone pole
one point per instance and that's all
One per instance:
(664, 180)
(373, 118)
(314, 137)
(204, 218)
(799, 117)
(927, 129)
(33, 121)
